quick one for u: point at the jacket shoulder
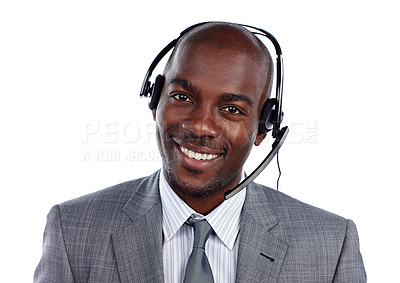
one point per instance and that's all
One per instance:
(298, 220)
(104, 209)
(287, 206)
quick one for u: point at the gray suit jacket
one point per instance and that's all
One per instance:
(115, 235)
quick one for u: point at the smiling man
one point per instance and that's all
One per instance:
(175, 226)
(216, 83)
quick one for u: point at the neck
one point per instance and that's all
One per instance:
(202, 205)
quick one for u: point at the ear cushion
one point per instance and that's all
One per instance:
(156, 89)
(268, 116)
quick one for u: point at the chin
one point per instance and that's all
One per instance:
(190, 188)
(191, 185)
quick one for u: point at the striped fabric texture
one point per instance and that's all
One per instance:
(221, 247)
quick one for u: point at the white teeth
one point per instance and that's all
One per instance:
(197, 155)
(191, 154)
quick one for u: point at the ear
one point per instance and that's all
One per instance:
(259, 138)
(154, 113)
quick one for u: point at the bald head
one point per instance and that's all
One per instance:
(226, 37)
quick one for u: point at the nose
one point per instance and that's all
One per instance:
(201, 123)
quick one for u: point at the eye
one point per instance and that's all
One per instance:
(181, 97)
(232, 110)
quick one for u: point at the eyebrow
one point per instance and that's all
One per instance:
(188, 86)
(237, 97)
(227, 96)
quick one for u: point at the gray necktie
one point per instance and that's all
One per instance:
(198, 268)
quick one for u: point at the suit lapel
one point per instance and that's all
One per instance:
(261, 254)
(138, 247)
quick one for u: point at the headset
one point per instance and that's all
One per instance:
(271, 114)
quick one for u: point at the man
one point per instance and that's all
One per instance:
(215, 85)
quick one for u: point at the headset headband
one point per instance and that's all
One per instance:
(147, 86)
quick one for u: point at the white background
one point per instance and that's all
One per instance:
(73, 68)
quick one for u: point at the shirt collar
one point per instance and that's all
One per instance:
(225, 219)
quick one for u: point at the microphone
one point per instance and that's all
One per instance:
(281, 136)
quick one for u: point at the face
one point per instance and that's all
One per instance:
(207, 119)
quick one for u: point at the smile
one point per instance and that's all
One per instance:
(197, 155)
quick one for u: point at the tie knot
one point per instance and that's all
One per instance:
(202, 231)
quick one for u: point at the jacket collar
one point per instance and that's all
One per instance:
(138, 247)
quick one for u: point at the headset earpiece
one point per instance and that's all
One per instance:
(155, 90)
(268, 116)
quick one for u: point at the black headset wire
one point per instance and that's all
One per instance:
(279, 171)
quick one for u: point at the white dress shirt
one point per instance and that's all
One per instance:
(221, 247)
